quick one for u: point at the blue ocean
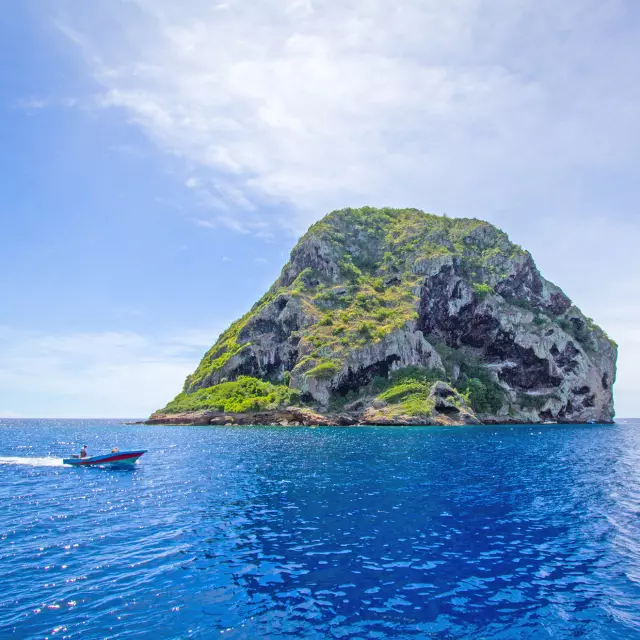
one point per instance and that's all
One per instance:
(259, 532)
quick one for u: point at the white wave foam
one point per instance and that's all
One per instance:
(32, 462)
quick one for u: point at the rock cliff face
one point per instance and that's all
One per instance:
(400, 317)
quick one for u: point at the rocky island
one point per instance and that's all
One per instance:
(399, 317)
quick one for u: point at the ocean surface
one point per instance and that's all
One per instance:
(464, 532)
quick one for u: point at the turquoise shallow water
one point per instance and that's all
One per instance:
(482, 532)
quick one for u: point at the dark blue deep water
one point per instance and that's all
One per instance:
(480, 532)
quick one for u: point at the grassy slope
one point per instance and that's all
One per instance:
(243, 394)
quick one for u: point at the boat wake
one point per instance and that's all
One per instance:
(31, 462)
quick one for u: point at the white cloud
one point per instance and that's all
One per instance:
(9, 413)
(207, 224)
(458, 106)
(33, 104)
(110, 374)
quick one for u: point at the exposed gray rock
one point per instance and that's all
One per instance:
(398, 349)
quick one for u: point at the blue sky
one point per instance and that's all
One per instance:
(159, 159)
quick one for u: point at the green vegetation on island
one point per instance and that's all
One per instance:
(243, 394)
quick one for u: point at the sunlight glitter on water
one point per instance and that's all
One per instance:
(481, 532)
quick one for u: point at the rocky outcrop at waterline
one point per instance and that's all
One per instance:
(388, 316)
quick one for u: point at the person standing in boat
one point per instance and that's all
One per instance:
(83, 452)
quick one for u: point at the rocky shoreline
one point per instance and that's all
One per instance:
(302, 417)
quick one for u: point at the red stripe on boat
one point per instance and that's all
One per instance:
(113, 458)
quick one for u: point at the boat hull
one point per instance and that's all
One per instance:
(120, 459)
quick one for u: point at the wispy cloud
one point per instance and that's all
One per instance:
(458, 106)
(94, 374)
(207, 224)
(34, 104)
(30, 104)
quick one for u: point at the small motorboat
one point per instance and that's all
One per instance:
(114, 459)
